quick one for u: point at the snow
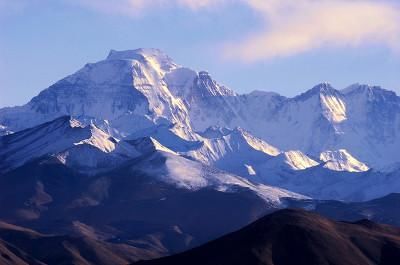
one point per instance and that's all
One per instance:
(341, 160)
(298, 161)
(193, 175)
(66, 139)
(250, 170)
(334, 108)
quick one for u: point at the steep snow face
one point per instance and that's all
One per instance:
(334, 108)
(289, 161)
(296, 160)
(258, 144)
(341, 160)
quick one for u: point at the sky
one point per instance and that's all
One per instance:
(284, 46)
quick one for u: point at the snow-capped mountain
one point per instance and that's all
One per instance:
(265, 137)
(126, 89)
(135, 90)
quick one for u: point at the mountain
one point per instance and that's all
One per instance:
(143, 93)
(137, 89)
(297, 237)
(84, 147)
(19, 245)
(151, 198)
(341, 160)
(193, 163)
(381, 210)
(138, 150)
(322, 183)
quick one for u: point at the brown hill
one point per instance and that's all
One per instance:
(290, 237)
(20, 245)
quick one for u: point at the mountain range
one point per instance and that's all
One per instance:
(140, 154)
(261, 136)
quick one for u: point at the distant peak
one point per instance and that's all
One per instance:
(153, 57)
(342, 160)
(215, 132)
(323, 87)
(204, 74)
(365, 88)
(136, 54)
(320, 89)
(262, 93)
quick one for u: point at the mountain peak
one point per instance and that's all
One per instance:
(208, 87)
(342, 160)
(135, 54)
(320, 89)
(262, 93)
(367, 89)
(323, 88)
(154, 57)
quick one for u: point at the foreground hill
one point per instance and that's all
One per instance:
(383, 210)
(20, 245)
(297, 237)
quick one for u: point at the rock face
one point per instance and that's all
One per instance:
(297, 237)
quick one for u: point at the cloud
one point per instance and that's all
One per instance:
(293, 27)
(289, 26)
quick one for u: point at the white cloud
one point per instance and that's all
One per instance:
(290, 26)
(293, 27)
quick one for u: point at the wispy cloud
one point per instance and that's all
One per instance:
(289, 26)
(293, 27)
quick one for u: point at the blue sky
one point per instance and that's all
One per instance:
(283, 46)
